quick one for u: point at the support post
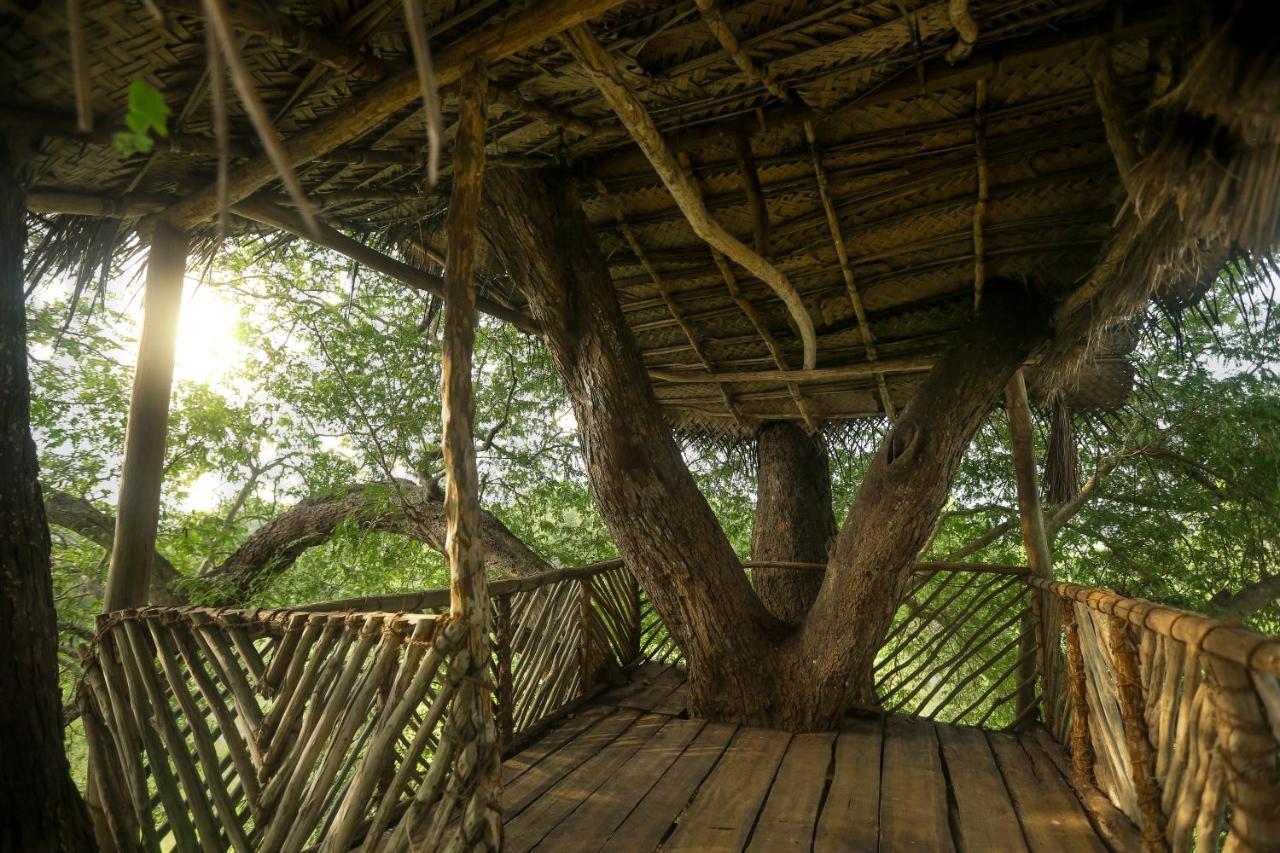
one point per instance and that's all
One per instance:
(1036, 543)
(138, 506)
(1124, 657)
(1082, 756)
(1251, 752)
(586, 620)
(506, 684)
(472, 719)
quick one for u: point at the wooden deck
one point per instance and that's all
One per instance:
(629, 773)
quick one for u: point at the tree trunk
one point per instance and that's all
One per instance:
(744, 664)
(793, 521)
(40, 808)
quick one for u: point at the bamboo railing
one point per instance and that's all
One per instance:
(1175, 717)
(337, 724)
(961, 648)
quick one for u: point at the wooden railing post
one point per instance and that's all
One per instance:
(1077, 688)
(586, 636)
(1251, 753)
(637, 619)
(502, 654)
(1124, 657)
(1034, 538)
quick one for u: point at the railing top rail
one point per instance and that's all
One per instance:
(428, 599)
(1225, 640)
(269, 621)
(987, 568)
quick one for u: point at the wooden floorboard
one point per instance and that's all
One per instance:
(913, 790)
(723, 812)
(591, 824)
(528, 828)
(982, 813)
(850, 819)
(1051, 817)
(629, 774)
(790, 813)
(652, 818)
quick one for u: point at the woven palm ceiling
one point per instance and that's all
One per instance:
(905, 115)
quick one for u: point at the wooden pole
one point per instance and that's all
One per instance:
(1034, 541)
(138, 506)
(1082, 756)
(481, 824)
(1124, 657)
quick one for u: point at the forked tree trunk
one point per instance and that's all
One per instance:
(793, 522)
(40, 808)
(744, 664)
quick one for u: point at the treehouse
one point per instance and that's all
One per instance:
(743, 220)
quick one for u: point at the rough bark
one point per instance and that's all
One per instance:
(793, 521)
(412, 510)
(40, 808)
(658, 519)
(744, 664)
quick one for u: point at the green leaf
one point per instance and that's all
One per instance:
(147, 113)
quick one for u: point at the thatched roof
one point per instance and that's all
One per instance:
(908, 103)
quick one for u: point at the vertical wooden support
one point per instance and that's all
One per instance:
(1082, 757)
(1142, 759)
(506, 686)
(472, 717)
(1251, 752)
(637, 620)
(138, 507)
(586, 640)
(1034, 540)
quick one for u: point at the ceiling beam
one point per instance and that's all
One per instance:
(284, 219)
(366, 112)
(933, 76)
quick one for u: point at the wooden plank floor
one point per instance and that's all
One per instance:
(630, 773)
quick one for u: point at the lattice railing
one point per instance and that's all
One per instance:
(276, 730)
(1176, 718)
(961, 648)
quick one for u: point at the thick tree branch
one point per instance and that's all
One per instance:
(81, 517)
(276, 545)
(1249, 599)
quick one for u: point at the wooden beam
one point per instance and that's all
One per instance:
(1022, 439)
(95, 204)
(486, 46)
(285, 219)
(142, 471)
(480, 781)
(288, 33)
(862, 370)
(936, 75)
(63, 126)
(635, 118)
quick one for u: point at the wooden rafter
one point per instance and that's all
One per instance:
(284, 219)
(846, 268)
(937, 75)
(609, 80)
(1123, 146)
(286, 32)
(522, 30)
(715, 20)
(690, 333)
(984, 191)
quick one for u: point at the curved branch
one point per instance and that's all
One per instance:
(603, 70)
(1248, 600)
(411, 510)
(81, 517)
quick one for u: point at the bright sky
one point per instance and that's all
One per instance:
(208, 347)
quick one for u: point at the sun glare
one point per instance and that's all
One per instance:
(207, 345)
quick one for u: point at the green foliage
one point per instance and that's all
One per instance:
(148, 113)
